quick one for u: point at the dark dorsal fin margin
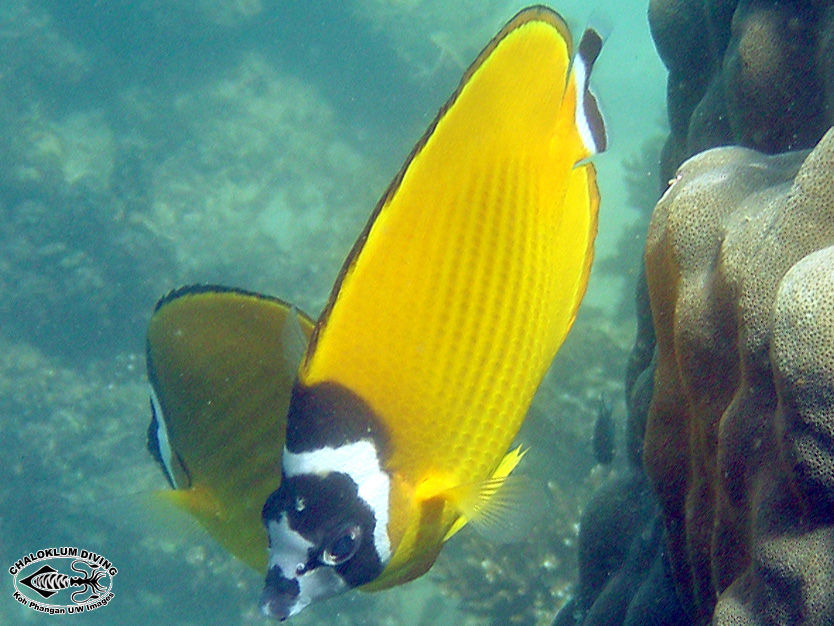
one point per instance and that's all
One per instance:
(199, 288)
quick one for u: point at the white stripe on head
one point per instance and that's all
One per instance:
(360, 462)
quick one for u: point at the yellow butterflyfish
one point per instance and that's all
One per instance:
(393, 432)
(444, 319)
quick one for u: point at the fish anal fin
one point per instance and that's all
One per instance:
(221, 365)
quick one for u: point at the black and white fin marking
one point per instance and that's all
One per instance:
(589, 120)
(159, 445)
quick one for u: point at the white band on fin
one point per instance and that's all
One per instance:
(163, 442)
(588, 116)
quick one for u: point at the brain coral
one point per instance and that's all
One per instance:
(755, 73)
(739, 441)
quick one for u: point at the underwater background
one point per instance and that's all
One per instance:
(147, 145)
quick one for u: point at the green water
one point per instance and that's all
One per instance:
(145, 145)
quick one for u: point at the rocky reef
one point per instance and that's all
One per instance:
(722, 512)
(753, 73)
(739, 441)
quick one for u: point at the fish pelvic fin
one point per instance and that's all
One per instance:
(493, 505)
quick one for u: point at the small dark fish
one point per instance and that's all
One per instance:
(604, 432)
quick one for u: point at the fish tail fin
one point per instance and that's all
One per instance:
(589, 120)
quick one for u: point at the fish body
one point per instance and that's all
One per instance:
(441, 325)
(393, 431)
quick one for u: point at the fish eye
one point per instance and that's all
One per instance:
(344, 545)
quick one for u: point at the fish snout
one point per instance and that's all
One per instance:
(280, 596)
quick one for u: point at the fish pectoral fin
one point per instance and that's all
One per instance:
(498, 508)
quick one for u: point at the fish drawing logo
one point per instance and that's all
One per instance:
(86, 587)
(48, 581)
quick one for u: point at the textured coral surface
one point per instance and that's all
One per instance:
(738, 443)
(755, 73)
(739, 440)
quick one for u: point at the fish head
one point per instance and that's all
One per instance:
(328, 520)
(324, 538)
